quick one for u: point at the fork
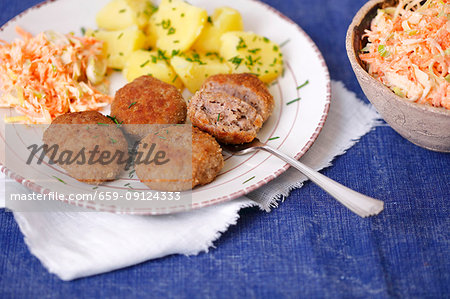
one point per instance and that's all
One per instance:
(358, 203)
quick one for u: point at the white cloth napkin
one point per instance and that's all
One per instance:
(79, 244)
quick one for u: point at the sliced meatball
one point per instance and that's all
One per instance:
(191, 158)
(226, 117)
(80, 134)
(246, 87)
(147, 100)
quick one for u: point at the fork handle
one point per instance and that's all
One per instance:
(358, 203)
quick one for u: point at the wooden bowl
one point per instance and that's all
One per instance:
(423, 125)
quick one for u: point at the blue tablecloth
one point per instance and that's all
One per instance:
(310, 246)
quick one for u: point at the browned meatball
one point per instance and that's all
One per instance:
(181, 145)
(92, 134)
(226, 117)
(246, 87)
(147, 100)
(207, 159)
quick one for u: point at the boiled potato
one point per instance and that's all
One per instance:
(193, 68)
(247, 52)
(223, 20)
(119, 44)
(153, 63)
(121, 14)
(177, 25)
(150, 32)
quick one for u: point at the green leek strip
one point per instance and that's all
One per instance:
(382, 50)
(398, 91)
(447, 78)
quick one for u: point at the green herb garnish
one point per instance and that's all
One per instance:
(241, 44)
(120, 35)
(253, 51)
(113, 118)
(273, 138)
(145, 63)
(236, 61)
(284, 43)
(59, 179)
(248, 180)
(383, 51)
(303, 85)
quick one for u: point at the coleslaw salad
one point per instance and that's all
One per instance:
(50, 74)
(408, 50)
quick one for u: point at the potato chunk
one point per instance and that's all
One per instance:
(247, 52)
(193, 68)
(177, 25)
(153, 63)
(223, 20)
(119, 44)
(121, 14)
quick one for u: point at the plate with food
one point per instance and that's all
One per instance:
(204, 73)
(400, 53)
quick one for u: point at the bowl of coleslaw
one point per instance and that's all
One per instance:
(400, 53)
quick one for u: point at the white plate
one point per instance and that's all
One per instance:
(297, 124)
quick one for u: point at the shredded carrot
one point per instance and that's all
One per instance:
(46, 75)
(408, 50)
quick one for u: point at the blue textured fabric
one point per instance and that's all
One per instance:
(310, 246)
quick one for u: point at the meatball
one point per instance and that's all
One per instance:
(90, 146)
(226, 117)
(147, 100)
(246, 87)
(191, 158)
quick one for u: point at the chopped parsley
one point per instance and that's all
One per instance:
(113, 118)
(303, 85)
(236, 61)
(241, 44)
(293, 101)
(60, 180)
(284, 43)
(171, 31)
(145, 63)
(254, 50)
(248, 179)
